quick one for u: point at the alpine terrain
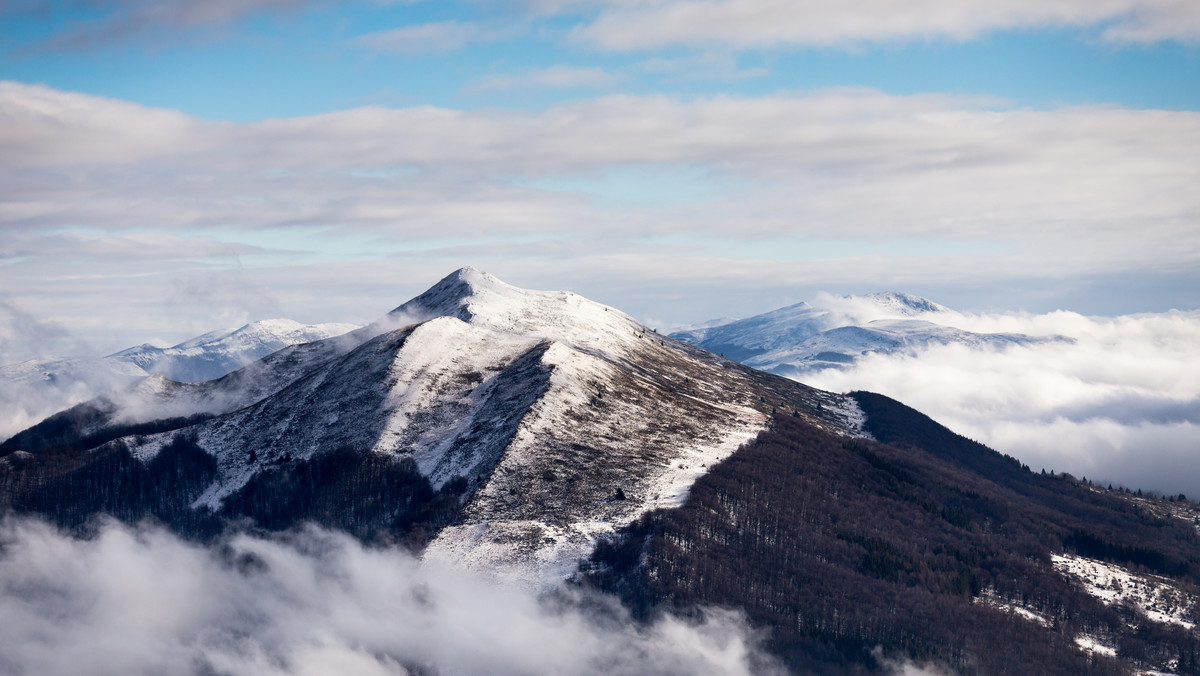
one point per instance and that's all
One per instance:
(799, 338)
(38, 388)
(547, 440)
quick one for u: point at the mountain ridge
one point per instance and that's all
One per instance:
(537, 407)
(795, 339)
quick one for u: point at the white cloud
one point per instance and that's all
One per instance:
(142, 601)
(558, 77)
(1121, 404)
(649, 24)
(792, 190)
(709, 66)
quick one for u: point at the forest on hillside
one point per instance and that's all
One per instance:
(847, 550)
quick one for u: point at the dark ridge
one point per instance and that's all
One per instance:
(374, 497)
(839, 546)
(895, 424)
(70, 489)
(65, 432)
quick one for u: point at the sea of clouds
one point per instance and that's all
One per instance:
(140, 600)
(1120, 404)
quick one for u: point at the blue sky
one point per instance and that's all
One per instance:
(170, 167)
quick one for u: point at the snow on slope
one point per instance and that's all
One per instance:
(30, 391)
(1158, 598)
(216, 353)
(549, 406)
(841, 346)
(793, 339)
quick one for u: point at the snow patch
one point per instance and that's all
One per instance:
(1091, 644)
(989, 597)
(1158, 598)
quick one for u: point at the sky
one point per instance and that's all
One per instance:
(172, 167)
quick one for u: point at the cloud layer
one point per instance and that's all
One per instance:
(1121, 404)
(856, 184)
(142, 601)
(648, 24)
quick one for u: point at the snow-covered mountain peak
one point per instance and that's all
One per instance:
(536, 408)
(905, 304)
(484, 301)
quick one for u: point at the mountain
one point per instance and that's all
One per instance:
(547, 417)
(216, 353)
(922, 544)
(34, 389)
(799, 338)
(546, 440)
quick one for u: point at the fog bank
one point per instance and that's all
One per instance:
(140, 600)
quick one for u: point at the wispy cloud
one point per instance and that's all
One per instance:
(430, 38)
(702, 66)
(751, 24)
(556, 77)
(142, 601)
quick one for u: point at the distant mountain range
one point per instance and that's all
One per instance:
(39, 388)
(544, 439)
(799, 338)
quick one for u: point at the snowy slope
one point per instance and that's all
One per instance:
(797, 338)
(840, 346)
(214, 354)
(547, 405)
(32, 390)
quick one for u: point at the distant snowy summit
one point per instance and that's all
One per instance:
(800, 338)
(32, 390)
(216, 353)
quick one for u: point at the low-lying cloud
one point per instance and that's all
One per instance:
(1121, 404)
(143, 601)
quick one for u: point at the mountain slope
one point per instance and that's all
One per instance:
(929, 548)
(217, 353)
(798, 338)
(538, 410)
(32, 390)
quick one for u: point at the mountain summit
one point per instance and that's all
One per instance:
(796, 339)
(545, 418)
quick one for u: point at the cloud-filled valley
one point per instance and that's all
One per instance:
(1120, 404)
(140, 600)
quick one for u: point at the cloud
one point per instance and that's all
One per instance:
(845, 163)
(439, 37)
(704, 66)
(1121, 404)
(22, 334)
(142, 601)
(827, 189)
(558, 77)
(625, 25)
